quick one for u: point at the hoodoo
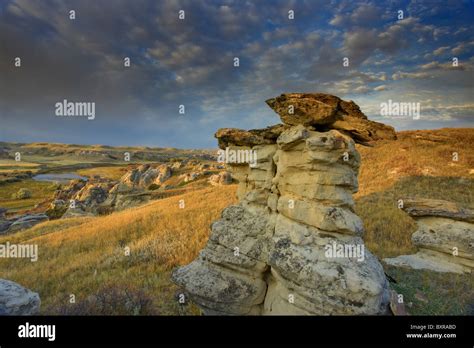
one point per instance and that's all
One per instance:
(268, 254)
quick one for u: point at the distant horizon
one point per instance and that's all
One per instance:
(188, 148)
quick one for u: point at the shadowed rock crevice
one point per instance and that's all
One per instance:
(283, 248)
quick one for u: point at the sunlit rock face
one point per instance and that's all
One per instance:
(292, 245)
(444, 238)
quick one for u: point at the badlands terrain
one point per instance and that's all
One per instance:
(111, 224)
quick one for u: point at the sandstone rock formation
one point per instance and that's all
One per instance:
(132, 187)
(445, 237)
(239, 137)
(98, 194)
(324, 112)
(68, 191)
(19, 222)
(27, 221)
(17, 300)
(223, 178)
(293, 243)
(143, 176)
(190, 176)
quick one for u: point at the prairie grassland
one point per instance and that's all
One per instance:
(40, 191)
(85, 256)
(10, 165)
(79, 256)
(419, 164)
(416, 153)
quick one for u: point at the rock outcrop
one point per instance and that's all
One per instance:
(223, 178)
(444, 238)
(4, 222)
(143, 176)
(17, 300)
(293, 243)
(325, 111)
(27, 221)
(20, 222)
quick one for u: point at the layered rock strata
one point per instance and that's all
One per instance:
(293, 243)
(444, 238)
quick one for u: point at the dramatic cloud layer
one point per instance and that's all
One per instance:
(190, 62)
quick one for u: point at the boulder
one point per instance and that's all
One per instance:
(4, 223)
(143, 176)
(223, 178)
(27, 221)
(57, 208)
(66, 193)
(191, 176)
(324, 112)
(17, 300)
(92, 194)
(4, 226)
(307, 109)
(437, 207)
(164, 173)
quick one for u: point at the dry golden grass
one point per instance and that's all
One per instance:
(40, 191)
(416, 153)
(87, 253)
(418, 164)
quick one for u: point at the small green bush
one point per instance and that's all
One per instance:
(22, 193)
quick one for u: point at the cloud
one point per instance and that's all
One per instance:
(380, 88)
(462, 48)
(190, 62)
(440, 51)
(410, 75)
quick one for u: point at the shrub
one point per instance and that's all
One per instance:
(104, 210)
(153, 187)
(110, 299)
(56, 213)
(22, 193)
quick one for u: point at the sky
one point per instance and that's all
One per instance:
(190, 62)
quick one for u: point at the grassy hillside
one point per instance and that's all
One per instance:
(39, 191)
(86, 256)
(414, 154)
(418, 164)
